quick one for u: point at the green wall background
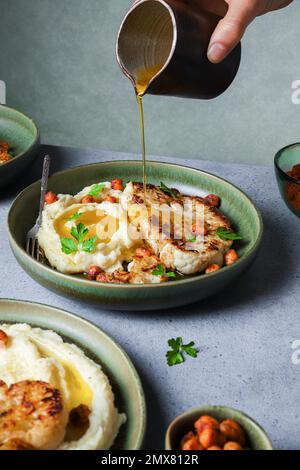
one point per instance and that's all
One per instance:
(57, 58)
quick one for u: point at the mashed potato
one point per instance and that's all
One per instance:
(105, 221)
(35, 354)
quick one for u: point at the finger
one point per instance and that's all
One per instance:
(230, 30)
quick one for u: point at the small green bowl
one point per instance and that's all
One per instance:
(24, 138)
(257, 438)
(289, 187)
(235, 204)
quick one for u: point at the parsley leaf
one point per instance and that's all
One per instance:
(160, 270)
(79, 232)
(227, 234)
(192, 240)
(170, 274)
(176, 355)
(168, 190)
(68, 245)
(174, 358)
(74, 216)
(189, 349)
(175, 343)
(96, 189)
(89, 245)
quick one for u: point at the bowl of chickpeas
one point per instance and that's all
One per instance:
(216, 428)
(19, 144)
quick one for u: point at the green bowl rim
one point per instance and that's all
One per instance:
(276, 162)
(120, 349)
(189, 280)
(202, 408)
(37, 137)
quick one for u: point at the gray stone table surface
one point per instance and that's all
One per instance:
(245, 334)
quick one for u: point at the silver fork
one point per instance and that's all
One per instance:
(32, 244)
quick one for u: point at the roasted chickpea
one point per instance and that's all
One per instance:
(4, 145)
(118, 188)
(110, 199)
(93, 272)
(117, 184)
(231, 445)
(212, 200)
(105, 277)
(190, 442)
(50, 198)
(204, 422)
(233, 431)
(87, 199)
(116, 181)
(143, 251)
(122, 276)
(214, 448)
(231, 257)
(212, 268)
(3, 339)
(4, 156)
(210, 437)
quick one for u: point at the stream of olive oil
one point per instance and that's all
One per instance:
(144, 76)
(142, 126)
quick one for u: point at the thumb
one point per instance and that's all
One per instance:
(230, 30)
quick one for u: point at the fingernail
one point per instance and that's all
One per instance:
(216, 52)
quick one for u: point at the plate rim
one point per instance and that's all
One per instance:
(190, 280)
(121, 350)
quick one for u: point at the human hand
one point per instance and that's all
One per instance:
(237, 15)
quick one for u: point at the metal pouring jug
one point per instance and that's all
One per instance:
(173, 38)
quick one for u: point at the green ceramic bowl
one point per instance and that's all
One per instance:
(24, 138)
(289, 187)
(235, 204)
(129, 395)
(257, 439)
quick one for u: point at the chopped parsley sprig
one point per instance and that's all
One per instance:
(68, 245)
(74, 216)
(167, 190)
(160, 270)
(192, 239)
(225, 234)
(96, 189)
(178, 350)
(78, 242)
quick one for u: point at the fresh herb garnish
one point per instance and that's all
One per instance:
(160, 270)
(170, 274)
(74, 216)
(225, 234)
(96, 189)
(69, 245)
(168, 190)
(176, 355)
(192, 240)
(89, 245)
(79, 232)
